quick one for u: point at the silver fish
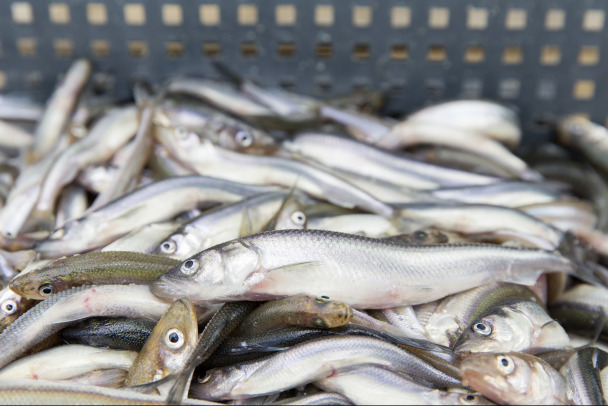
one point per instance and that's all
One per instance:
(363, 272)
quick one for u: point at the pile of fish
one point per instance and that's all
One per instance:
(218, 242)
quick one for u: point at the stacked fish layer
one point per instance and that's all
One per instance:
(212, 242)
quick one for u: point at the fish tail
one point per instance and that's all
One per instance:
(573, 249)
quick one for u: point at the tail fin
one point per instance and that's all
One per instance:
(573, 249)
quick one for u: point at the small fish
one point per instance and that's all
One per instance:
(94, 268)
(299, 310)
(168, 347)
(583, 376)
(119, 333)
(518, 325)
(514, 379)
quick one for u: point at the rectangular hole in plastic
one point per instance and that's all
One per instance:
(209, 14)
(512, 55)
(477, 18)
(593, 20)
(3, 80)
(589, 56)
(100, 48)
(399, 52)
(172, 14)
(516, 19)
(135, 14)
(546, 90)
(583, 89)
(550, 55)
(286, 49)
(439, 17)
(59, 13)
(324, 15)
(361, 51)
(22, 12)
(474, 54)
(324, 50)
(436, 53)
(247, 14)
(401, 17)
(555, 19)
(249, 49)
(26, 46)
(138, 49)
(63, 47)
(362, 16)
(97, 14)
(509, 88)
(285, 14)
(174, 49)
(211, 48)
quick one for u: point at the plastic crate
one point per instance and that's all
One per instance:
(545, 56)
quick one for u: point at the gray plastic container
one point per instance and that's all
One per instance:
(545, 56)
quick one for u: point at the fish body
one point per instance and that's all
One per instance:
(120, 333)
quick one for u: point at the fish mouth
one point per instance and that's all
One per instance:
(166, 289)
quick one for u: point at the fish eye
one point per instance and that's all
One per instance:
(189, 267)
(469, 398)
(180, 132)
(205, 379)
(244, 138)
(9, 307)
(482, 328)
(505, 364)
(168, 247)
(46, 289)
(421, 235)
(298, 218)
(174, 339)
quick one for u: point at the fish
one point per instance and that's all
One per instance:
(170, 344)
(313, 360)
(514, 379)
(517, 325)
(66, 362)
(27, 392)
(158, 201)
(582, 308)
(374, 385)
(302, 311)
(362, 272)
(119, 333)
(94, 268)
(583, 376)
(75, 304)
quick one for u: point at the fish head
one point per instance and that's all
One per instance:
(75, 236)
(169, 346)
(12, 306)
(243, 138)
(325, 313)
(501, 377)
(219, 382)
(503, 330)
(572, 127)
(42, 282)
(213, 274)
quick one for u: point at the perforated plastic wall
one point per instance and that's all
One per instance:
(548, 57)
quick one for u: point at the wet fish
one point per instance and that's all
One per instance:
(168, 347)
(94, 268)
(119, 333)
(360, 271)
(583, 376)
(582, 308)
(514, 379)
(518, 325)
